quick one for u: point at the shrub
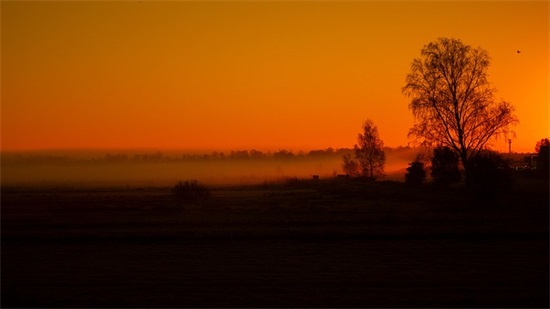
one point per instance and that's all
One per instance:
(415, 173)
(191, 190)
(489, 174)
(445, 166)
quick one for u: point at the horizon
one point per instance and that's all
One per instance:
(183, 151)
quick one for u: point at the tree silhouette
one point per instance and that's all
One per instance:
(415, 173)
(369, 152)
(453, 102)
(543, 142)
(445, 166)
(350, 166)
(543, 156)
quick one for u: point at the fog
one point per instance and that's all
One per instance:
(156, 169)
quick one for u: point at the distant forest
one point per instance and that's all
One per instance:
(403, 152)
(158, 156)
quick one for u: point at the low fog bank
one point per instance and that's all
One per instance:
(158, 169)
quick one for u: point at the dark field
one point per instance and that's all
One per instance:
(304, 244)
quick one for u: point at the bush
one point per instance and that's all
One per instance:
(489, 174)
(445, 166)
(191, 190)
(415, 173)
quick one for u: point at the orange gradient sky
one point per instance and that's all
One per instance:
(243, 75)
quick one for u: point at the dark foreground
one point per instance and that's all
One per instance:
(322, 244)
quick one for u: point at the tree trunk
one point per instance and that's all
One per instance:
(466, 165)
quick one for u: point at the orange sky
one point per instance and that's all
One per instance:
(242, 75)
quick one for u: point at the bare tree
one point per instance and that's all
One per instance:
(350, 166)
(369, 151)
(453, 102)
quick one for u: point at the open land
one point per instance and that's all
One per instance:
(327, 243)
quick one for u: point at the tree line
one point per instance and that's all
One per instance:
(158, 156)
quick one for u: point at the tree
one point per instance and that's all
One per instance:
(350, 166)
(415, 173)
(369, 152)
(543, 156)
(445, 166)
(453, 102)
(543, 142)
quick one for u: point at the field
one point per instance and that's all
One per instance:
(327, 243)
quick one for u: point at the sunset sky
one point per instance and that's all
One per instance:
(251, 74)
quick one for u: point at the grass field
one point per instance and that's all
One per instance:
(325, 243)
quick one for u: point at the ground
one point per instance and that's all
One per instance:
(328, 243)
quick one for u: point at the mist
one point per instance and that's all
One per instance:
(157, 169)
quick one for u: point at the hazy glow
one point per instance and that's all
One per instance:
(242, 75)
(88, 169)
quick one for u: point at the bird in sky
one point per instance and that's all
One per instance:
(518, 51)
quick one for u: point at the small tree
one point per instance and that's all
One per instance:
(415, 173)
(543, 142)
(369, 152)
(445, 166)
(350, 166)
(543, 156)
